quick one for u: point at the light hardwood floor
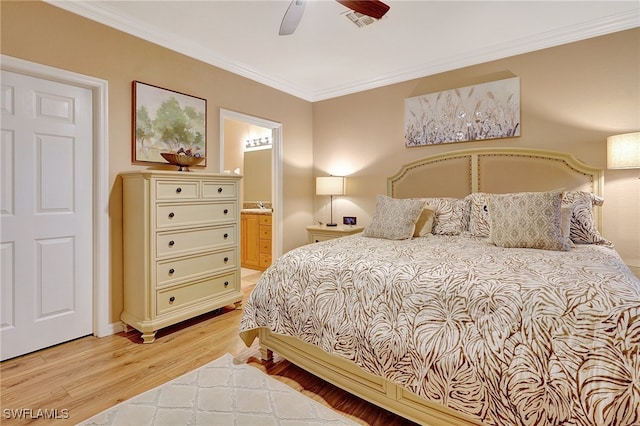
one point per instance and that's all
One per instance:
(89, 375)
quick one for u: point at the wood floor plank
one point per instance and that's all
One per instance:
(89, 375)
(22, 365)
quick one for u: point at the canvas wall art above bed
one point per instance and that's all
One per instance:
(494, 307)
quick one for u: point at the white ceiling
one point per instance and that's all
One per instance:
(328, 56)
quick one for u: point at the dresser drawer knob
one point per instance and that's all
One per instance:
(172, 214)
(219, 190)
(172, 299)
(226, 283)
(171, 271)
(225, 211)
(226, 236)
(178, 190)
(171, 243)
(226, 259)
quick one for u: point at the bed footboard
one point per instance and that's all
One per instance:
(353, 379)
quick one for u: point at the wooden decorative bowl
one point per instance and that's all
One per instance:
(183, 161)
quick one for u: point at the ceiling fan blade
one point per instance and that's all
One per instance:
(374, 8)
(292, 17)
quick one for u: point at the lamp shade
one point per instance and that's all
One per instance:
(330, 185)
(623, 151)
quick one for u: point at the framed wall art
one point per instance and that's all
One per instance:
(472, 113)
(167, 121)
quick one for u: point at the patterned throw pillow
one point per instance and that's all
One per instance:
(583, 225)
(452, 215)
(394, 218)
(527, 219)
(478, 214)
(479, 225)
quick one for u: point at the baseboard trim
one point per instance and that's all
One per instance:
(109, 329)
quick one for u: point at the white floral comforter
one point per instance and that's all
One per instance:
(508, 336)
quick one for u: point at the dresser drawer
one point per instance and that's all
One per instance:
(264, 219)
(320, 237)
(175, 297)
(191, 241)
(265, 232)
(171, 215)
(265, 260)
(174, 190)
(172, 270)
(211, 189)
(264, 246)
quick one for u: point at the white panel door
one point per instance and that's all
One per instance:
(46, 214)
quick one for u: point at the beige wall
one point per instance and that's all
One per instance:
(257, 175)
(234, 132)
(572, 98)
(41, 33)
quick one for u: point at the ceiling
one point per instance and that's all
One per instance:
(329, 56)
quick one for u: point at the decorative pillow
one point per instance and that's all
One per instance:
(424, 225)
(583, 224)
(478, 214)
(395, 218)
(451, 215)
(479, 225)
(527, 219)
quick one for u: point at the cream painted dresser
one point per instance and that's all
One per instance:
(181, 247)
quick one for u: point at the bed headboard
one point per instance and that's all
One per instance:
(495, 170)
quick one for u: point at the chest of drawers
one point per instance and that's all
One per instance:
(180, 245)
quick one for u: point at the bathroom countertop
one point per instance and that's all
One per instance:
(257, 211)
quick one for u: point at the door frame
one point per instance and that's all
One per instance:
(276, 168)
(101, 252)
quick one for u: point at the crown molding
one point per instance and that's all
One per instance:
(594, 28)
(95, 12)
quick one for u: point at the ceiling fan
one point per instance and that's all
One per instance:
(373, 8)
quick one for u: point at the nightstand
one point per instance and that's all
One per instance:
(319, 233)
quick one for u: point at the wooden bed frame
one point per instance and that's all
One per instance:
(453, 174)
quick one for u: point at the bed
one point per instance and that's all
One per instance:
(504, 305)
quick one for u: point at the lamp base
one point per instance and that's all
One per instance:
(332, 224)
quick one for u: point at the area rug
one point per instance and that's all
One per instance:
(220, 393)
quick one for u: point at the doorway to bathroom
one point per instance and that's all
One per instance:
(252, 147)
